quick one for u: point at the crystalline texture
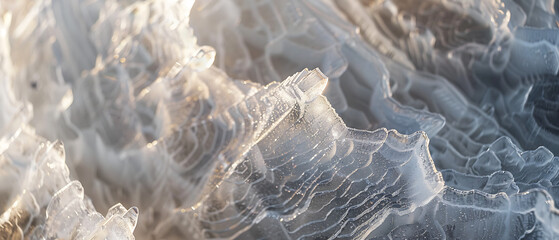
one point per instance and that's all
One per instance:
(38, 199)
(241, 140)
(45, 203)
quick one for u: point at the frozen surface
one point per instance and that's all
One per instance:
(40, 201)
(273, 119)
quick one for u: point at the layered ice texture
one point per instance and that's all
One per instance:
(279, 119)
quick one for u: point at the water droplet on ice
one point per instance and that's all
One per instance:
(203, 59)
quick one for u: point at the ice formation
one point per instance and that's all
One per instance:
(279, 119)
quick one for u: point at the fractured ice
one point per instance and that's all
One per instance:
(279, 119)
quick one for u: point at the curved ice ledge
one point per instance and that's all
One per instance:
(305, 181)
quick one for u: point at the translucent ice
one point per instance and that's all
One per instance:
(433, 119)
(45, 203)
